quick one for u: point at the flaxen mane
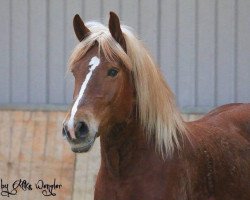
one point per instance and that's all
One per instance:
(161, 121)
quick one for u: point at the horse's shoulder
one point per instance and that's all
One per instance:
(220, 149)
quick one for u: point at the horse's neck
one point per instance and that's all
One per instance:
(122, 147)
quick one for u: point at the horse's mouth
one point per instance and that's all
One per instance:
(79, 145)
(82, 147)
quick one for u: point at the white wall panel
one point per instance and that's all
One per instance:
(202, 47)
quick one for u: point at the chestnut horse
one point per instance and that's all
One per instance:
(147, 151)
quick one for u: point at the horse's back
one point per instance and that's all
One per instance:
(222, 138)
(235, 117)
(230, 123)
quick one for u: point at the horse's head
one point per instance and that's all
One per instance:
(104, 92)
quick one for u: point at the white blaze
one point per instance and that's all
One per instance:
(94, 62)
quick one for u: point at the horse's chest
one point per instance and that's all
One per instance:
(129, 191)
(136, 188)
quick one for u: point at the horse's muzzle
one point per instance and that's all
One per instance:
(82, 141)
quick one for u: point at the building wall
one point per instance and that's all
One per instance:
(202, 46)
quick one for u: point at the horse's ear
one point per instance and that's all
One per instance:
(81, 30)
(116, 31)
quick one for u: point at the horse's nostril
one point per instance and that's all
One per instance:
(81, 130)
(64, 131)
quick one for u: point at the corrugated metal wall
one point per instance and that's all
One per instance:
(203, 47)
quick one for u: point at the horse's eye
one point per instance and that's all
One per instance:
(112, 72)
